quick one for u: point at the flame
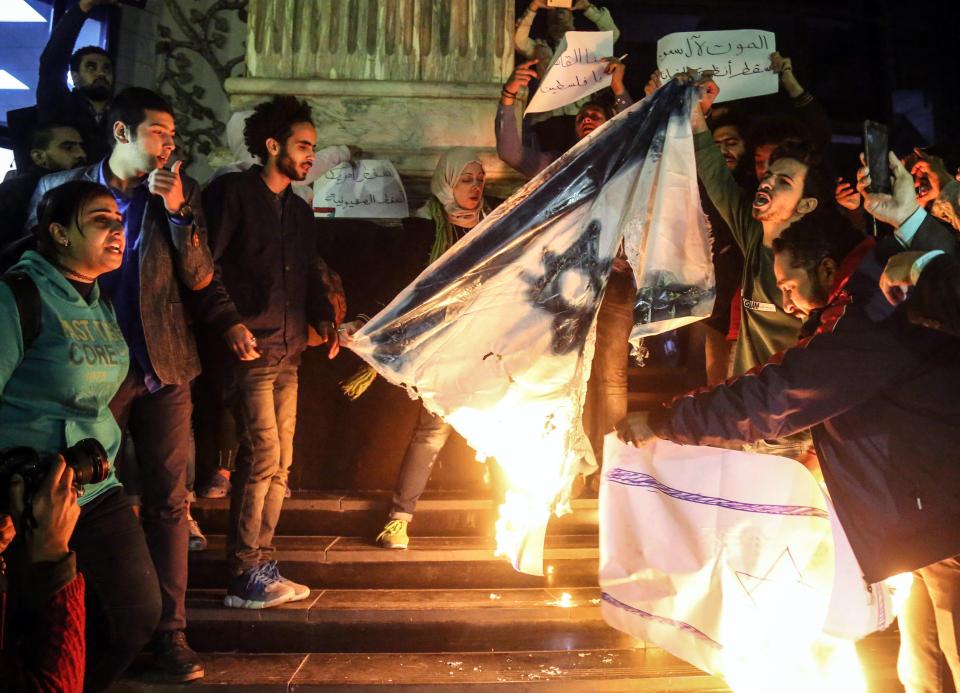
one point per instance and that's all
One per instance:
(829, 665)
(564, 602)
(523, 433)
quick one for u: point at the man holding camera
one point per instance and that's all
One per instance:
(44, 647)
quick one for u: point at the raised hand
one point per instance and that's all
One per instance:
(652, 84)
(520, 77)
(616, 69)
(167, 184)
(893, 209)
(846, 195)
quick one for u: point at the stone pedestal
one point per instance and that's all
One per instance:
(401, 79)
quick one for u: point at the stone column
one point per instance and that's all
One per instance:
(401, 79)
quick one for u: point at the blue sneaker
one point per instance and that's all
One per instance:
(258, 588)
(300, 592)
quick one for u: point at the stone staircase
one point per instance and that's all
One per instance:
(444, 614)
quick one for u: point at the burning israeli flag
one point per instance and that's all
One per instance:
(497, 336)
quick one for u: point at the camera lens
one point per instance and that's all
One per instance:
(89, 461)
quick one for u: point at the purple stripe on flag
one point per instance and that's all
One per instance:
(686, 627)
(627, 477)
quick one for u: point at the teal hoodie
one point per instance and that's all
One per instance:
(58, 392)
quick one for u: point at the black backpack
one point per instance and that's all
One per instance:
(27, 297)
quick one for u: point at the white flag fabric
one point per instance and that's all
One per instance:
(497, 336)
(732, 561)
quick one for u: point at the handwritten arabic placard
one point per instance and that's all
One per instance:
(739, 59)
(364, 189)
(576, 70)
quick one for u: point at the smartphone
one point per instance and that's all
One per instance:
(876, 149)
(566, 4)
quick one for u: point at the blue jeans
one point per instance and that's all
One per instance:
(264, 402)
(428, 440)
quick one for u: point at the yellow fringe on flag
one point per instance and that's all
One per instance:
(359, 382)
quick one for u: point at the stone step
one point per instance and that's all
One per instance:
(407, 621)
(347, 562)
(575, 670)
(438, 514)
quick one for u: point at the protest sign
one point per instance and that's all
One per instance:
(577, 70)
(740, 60)
(364, 189)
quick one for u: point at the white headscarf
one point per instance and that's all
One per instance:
(445, 176)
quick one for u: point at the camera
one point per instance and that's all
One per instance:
(87, 458)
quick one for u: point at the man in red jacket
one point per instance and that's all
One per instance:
(879, 393)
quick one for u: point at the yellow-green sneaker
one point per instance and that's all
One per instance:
(394, 535)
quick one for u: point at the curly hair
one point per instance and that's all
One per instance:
(274, 119)
(819, 181)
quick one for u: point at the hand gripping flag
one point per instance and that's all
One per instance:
(497, 336)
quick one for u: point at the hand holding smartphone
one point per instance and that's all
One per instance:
(876, 149)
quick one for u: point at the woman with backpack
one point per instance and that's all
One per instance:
(62, 358)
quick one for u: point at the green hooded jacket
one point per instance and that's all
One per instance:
(58, 392)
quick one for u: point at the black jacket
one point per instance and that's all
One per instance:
(55, 102)
(267, 267)
(880, 395)
(15, 203)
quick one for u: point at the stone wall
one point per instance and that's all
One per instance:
(186, 49)
(401, 79)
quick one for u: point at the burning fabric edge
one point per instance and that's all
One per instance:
(736, 563)
(497, 336)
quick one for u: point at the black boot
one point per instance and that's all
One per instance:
(174, 661)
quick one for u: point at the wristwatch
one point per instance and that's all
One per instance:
(184, 214)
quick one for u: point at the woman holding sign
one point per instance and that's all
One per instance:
(455, 206)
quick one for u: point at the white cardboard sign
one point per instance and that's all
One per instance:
(364, 189)
(577, 70)
(740, 60)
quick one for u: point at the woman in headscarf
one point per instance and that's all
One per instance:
(455, 206)
(456, 202)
